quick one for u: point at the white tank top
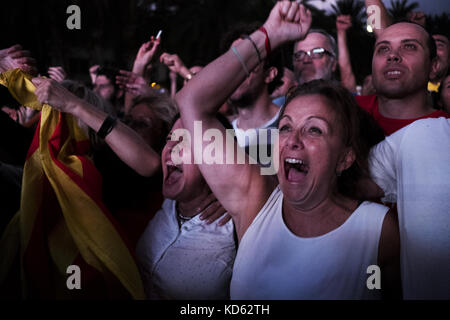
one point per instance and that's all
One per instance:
(274, 263)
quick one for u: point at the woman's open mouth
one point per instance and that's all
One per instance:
(174, 172)
(295, 169)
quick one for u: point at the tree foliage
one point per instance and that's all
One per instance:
(400, 8)
(112, 30)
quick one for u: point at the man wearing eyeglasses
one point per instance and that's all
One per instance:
(315, 57)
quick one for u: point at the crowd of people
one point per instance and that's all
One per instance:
(93, 178)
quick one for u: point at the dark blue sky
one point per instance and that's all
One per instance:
(433, 6)
(427, 6)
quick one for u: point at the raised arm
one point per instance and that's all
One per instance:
(343, 23)
(15, 57)
(126, 143)
(173, 84)
(175, 64)
(418, 17)
(134, 86)
(385, 19)
(143, 60)
(240, 188)
(201, 98)
(145, 55)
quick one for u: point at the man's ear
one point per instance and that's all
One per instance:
(271, 73)
(435, 66)
(346, 161)
(334, 65)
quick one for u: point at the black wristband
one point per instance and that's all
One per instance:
(106, 127)
(246, 36)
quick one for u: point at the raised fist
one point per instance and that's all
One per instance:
(172, 61)
(145, 55)
(417, 17)
(49, 91)
(288, 21)
(343, 23)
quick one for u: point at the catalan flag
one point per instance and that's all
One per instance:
(62, 220)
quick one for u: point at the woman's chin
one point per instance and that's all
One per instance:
(293, 191)
(172, 192)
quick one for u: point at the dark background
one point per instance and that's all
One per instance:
(112, 30)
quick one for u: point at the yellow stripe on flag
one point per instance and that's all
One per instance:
(95, 236)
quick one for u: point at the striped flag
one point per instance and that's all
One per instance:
(62, 220)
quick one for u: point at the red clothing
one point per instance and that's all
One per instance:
(390, 125)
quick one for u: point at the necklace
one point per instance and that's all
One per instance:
(182, 218)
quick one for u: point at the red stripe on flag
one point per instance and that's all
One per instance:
(83, 147)
(85, 183)
(35, 143)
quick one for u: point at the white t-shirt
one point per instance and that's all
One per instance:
(412, 166)
(252, 137)
(187, 262)
(274, 263)
(257, 142)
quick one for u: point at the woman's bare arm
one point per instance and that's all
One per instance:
(124, 141)
(239, 187)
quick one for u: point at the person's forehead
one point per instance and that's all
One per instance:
(310, 104)
(403, 31)
(314, 40)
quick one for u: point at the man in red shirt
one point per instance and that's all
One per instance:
(404, 56)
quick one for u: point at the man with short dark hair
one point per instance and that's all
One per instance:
(442, 49)
(252, 98)
(105, 86)
(403, 59)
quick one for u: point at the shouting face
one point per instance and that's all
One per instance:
(181, 181)
(312, 151)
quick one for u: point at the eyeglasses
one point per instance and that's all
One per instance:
(316, 53)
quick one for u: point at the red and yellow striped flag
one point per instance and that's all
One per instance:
(62, 220)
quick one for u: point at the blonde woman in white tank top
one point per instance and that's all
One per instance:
(308, 238)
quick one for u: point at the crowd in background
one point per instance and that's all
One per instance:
(88, 176)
